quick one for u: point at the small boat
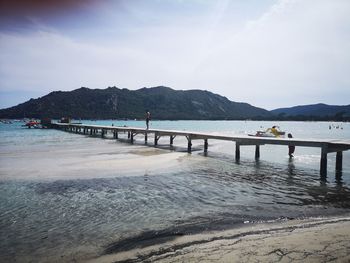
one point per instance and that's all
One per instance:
(32, 124)
(273, 132)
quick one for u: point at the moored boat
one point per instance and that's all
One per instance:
(32, 124)
(270, 132)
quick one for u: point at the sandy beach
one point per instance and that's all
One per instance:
(311, 240)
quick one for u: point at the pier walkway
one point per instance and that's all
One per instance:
(326, 146)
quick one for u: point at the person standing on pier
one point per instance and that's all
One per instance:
(148, 117)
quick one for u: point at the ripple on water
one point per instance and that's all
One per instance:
(101, 211)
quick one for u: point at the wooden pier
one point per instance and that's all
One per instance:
(326, 146)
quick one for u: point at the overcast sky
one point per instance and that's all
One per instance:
(271, 54)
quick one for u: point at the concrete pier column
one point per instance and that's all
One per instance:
(102, 133)
(146, 137)
(156, 138)
(323, 165)
(189, 145)
(339, 161)
(171, 139)
(257, 151)
(116, 134)
(90, 131)
(131, 137)
(128, 135)
(205, 145)
(238, 151)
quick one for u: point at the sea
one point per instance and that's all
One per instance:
(68, 197)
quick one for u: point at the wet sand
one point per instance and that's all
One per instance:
(311, 240)
(89, 158)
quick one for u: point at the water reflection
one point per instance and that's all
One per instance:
(291, 166)
(339, 177)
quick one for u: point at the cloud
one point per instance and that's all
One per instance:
(293, 52)
(296, 53)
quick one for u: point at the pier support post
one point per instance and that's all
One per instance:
(131, 137)
(116, 134)
(257, 151)
(323, 165)
(171, 139)
(189, 144)
(156, 138)
(146, 137)
(128, 135)
(205, 145)
(102, 133)
(238, 151)
(339, 161)
(90, 131)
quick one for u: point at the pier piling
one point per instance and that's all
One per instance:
(189, 143)
(323, 164)
(238, 151)
(339, 161)
(205, 145)
(257, 151)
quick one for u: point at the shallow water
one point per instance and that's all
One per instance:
(65, 196)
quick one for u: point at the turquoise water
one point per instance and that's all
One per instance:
(58, 204)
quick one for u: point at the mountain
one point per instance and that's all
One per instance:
(315, 110)
(111, 103)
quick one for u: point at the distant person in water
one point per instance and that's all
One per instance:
(148, 117)
(291, 148)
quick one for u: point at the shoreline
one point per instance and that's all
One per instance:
(311, 240)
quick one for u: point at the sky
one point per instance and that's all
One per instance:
(268, 53)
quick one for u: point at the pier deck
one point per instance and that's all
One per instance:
(326, 146)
